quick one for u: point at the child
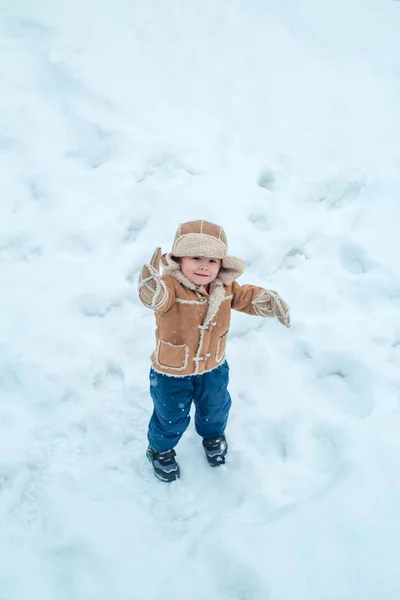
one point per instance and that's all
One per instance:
(192, 302)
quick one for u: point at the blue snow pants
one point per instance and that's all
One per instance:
(172, 399)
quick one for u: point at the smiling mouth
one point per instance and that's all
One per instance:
(201, 275)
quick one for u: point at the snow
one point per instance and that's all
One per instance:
(281, 122)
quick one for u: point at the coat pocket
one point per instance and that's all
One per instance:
(221, 346)
(172, 356)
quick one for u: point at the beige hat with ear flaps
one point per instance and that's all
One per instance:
(201, 238)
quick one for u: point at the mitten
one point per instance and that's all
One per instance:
(152, 290)
(268, 303)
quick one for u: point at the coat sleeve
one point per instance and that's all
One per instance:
(154, 291)
(254, 300)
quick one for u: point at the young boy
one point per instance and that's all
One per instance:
(192, 303)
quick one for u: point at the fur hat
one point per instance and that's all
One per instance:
(201, 238)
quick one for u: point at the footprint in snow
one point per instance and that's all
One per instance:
(266, 180)
(355, 261)
(341, 190)
(76, 244)
(259, 221)
(234, 578)
(164, 167)
(294, 258)
(175, 507)
(112, 377)
(345, 385)
(91, 305)
(300, 460)
(134, 227)
(28, 491)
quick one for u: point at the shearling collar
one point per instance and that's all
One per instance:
(217, 287)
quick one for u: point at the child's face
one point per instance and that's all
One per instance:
(200, 270)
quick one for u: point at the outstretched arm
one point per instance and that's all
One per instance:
(254, 300)
(153, 291)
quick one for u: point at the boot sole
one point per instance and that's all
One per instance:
(217, 463)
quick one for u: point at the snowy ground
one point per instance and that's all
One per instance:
(281, 121)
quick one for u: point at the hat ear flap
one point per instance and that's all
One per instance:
(170, 261)
(231, 269)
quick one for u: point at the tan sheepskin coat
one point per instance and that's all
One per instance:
(193, 325)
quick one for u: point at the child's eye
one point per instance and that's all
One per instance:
(196, 257)
(212, 260)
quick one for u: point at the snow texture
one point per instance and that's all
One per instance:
(280, 121)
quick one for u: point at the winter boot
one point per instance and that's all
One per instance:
(216, 450)
(164, 464)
